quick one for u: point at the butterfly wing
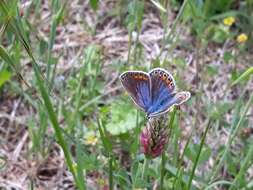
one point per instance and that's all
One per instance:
(137, 84)
(162, 92)
(165, 105)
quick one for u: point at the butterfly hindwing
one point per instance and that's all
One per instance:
(172, 99)
(162, 90)
(182, 97)
(137, 84)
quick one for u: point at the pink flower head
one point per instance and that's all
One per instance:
(154, 137)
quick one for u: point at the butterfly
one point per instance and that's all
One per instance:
(153, 92)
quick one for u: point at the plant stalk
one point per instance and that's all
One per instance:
(163, 160)
(198, 155)
(145, 168)
(110, 172)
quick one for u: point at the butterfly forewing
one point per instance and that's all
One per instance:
(137, 84)
(162, 90)
(162, 82)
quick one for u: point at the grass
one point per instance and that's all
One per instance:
(59, 66)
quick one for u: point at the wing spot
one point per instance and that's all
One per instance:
(164, 76)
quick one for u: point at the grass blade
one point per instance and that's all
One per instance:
(198, 155)
(243, 76)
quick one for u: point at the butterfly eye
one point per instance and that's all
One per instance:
(161, 73)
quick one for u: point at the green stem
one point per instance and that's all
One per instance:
(145, 167)
(172, 117)
(108, 148)
(231, 138)
(243, 168)
(162, 170)
(129, 46)
(174, 24)
(198, 155)
(181, 160)
(249, 155)
(110, 172)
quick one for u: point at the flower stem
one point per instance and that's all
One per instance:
(172, 117)
(110, 173)
(145, 167)
(162, 170)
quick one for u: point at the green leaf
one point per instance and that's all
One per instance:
(105, 140)
(134, 170)
(7, 58)
(4, 77)
(212, 70)
(244, 76)
(216, 183)
(159, 6)
(191, 153)
(220, 35)
(227, 56)
(123, 179)
(80, 166)
(94, 4)
(140, 183)
(123, 117)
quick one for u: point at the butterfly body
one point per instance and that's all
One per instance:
(153, 92)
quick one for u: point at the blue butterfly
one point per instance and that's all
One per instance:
(153, 92)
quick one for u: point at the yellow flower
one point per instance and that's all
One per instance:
(91, 139)
(101, 182)
(229, 21)
(74, 167)
(242, 38)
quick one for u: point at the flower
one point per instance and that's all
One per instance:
(228, 21)
(74, 165)
(242, 38)
(154, 137)
(91, 139)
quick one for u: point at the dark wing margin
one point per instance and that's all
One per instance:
(137, 84)
(162, 83)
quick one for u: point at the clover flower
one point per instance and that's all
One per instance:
(229, 21)
(154, 137)
(242, 38)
